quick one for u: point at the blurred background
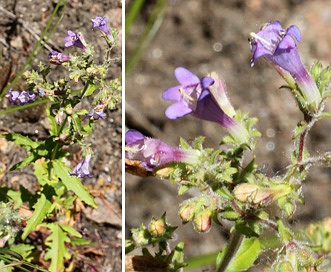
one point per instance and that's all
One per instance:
(206, 36)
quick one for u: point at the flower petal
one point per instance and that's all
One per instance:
(287, 43)
(132, 136)
(172, 94)
(206, 82)
(294, 31)
(186, 77)
(177, 110)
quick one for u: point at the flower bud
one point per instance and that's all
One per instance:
(157, 227)
(202, 221)
(186, 212)
(258, 195)
(140, 237)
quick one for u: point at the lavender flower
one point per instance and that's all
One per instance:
(12, 96)
(194, 97)
(153, 152)
(186, 94)
(279, 47)
(75, 39)
(82, 168)
(23, 97)
(97, 112)
(57, 57)
(101, 24)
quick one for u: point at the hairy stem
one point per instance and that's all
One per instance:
(231, 249)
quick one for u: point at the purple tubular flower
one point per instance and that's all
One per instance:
(75, 39)
(57, 57)
(203, 100)
(82, 168)
(153, 152)
(186, 94)
(101, 24)
(23, 97)
(97, 112)
(279, 47)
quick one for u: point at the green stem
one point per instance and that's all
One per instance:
(231, 249)
(56, 148)
(85, 89)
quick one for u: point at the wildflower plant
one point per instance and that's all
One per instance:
(70, 123)
(231, 188)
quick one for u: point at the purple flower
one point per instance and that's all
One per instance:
(97, 112)
(101, 24)
(75, 39)
(23, 97)
(186, 94)
(12, 96)
(153, 152)
(57, 57)
(194, 97)
(279, 47)
(82, 168)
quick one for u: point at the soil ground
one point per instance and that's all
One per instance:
(206, 36)
(21, 21)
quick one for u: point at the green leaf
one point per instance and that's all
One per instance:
(89, 90)
(79, 241)
(57, 252)
(71, 230)
(23, 141)
(299, 129)
(27, 161)
(24, 250)
(41, 171)
(41, 209)
(72, 183)
(247, 253)
(284, 232)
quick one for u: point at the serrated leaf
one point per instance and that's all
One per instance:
(23, 141)
(57, 252)
(27, 161)
(72, 183)
(71, 230)
(41, 209)
(244, 258)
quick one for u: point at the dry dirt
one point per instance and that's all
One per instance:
(206, 36)
(20, 22)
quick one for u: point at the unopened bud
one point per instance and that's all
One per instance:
(202, 221)
(140, 237)
(257, 195)
(186, 212)
(157, 227)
